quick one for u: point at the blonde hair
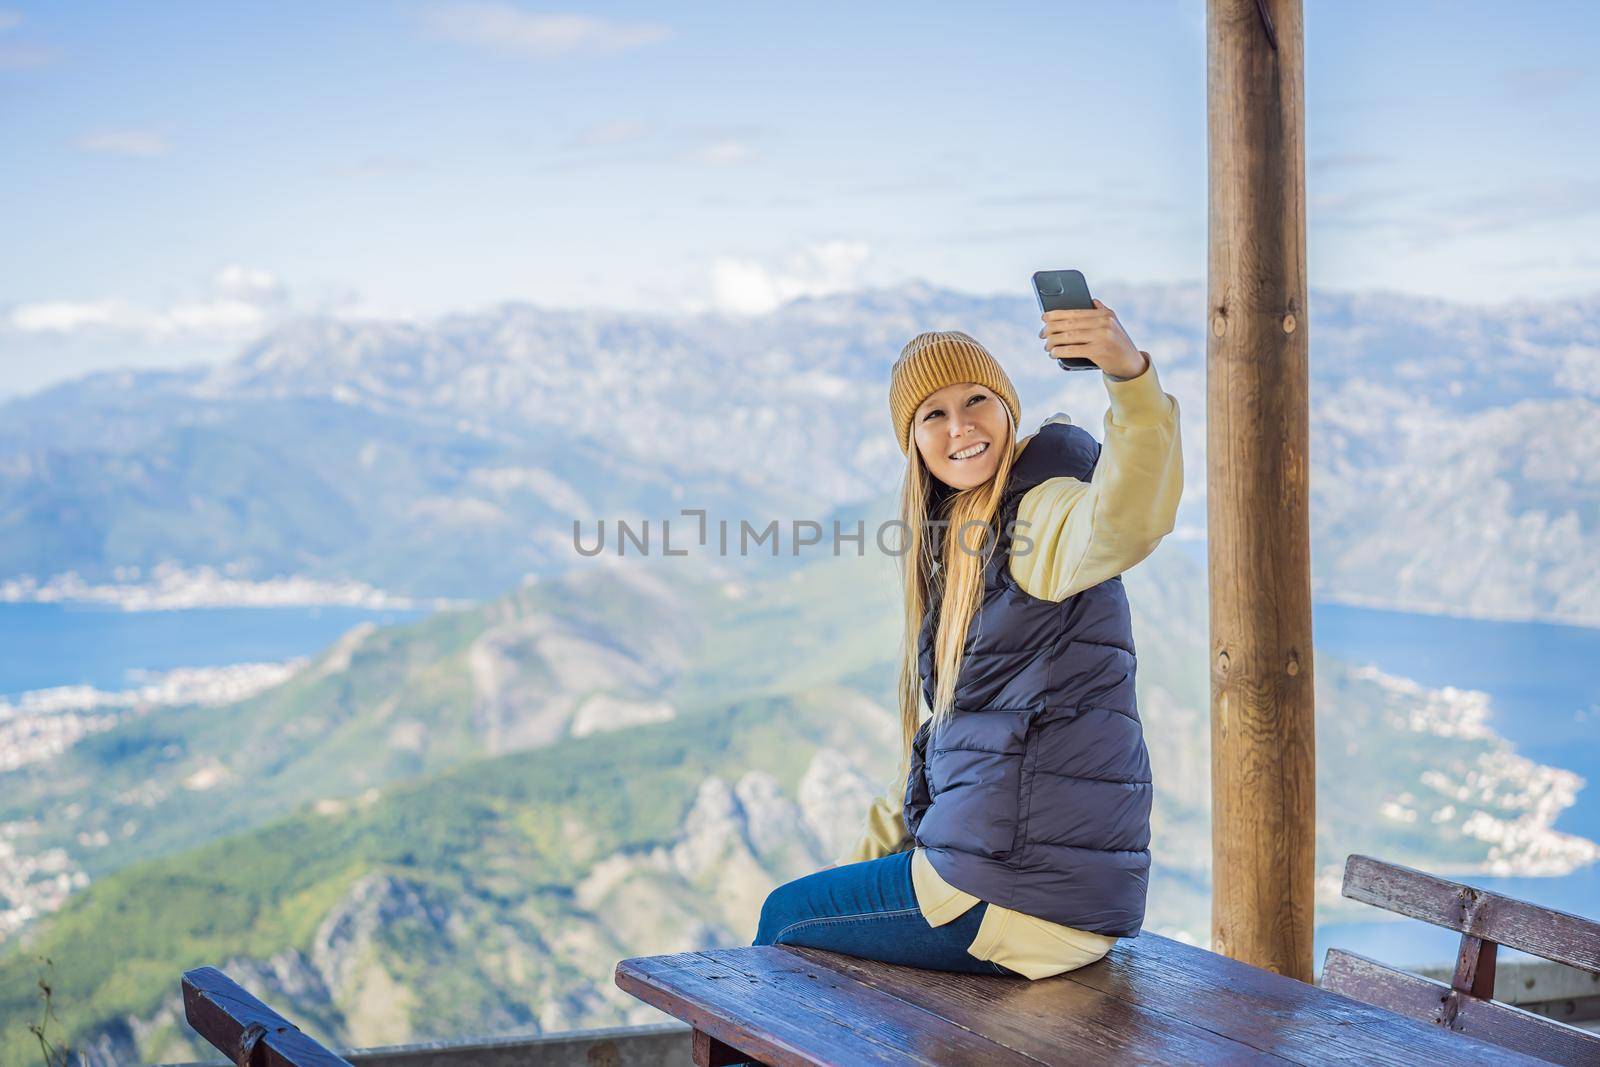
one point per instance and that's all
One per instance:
(970, 513)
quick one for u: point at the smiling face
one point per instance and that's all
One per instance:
(959, 431)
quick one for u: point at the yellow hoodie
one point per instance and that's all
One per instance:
(1083, 534)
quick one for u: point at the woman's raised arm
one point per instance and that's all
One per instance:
(1083, 533)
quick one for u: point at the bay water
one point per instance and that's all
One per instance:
(1542, 677)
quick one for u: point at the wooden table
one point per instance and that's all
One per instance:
(1150, 1000)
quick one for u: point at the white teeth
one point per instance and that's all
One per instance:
(968, 453)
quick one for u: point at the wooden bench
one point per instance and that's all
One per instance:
(1151, 999)
(244, 1029)
(1485, 920)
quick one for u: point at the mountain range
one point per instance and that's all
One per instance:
(457, 825)
(456, 457)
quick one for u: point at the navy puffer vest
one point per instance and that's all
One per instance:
(1036, 794)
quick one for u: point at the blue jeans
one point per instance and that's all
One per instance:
(870, 910)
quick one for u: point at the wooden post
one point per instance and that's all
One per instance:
(1263, 756)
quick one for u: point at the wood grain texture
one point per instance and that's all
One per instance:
(1440, 1005)
(1263, 756)
(785, 1009)
(1270, 1012)
(1050, 1020)
(1485, 921)
(244, 1029)
(1554, 935)
(1150, 1000)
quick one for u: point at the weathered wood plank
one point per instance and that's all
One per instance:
(1474, 971)
(788, 1011)
(1053, 1021)
(1438, 1004)
(1274, 1013)
(1150, 1000)
(1539, 931)
(244, 1029)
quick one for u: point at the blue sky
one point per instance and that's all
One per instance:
(180, 176)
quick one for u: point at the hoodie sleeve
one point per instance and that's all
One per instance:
(1079, 533)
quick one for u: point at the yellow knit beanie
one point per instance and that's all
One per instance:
(929, 362)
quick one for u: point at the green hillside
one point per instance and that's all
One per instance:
(487, 842)
(432, 832)
(378, 707)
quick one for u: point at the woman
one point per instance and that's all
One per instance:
(1017, 842)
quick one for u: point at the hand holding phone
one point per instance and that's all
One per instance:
(1093, 329)
(1064, 290)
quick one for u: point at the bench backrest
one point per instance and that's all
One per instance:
(243, 1028)
(1485, 921)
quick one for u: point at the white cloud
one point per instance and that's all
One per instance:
(118, 316)
(215, 317)
(723, 154)
(352, 305)
(242, 301)
(1580, 369)
(123, 143)
(62, 316)
(746, 286)
(505, 28)
(247, 283)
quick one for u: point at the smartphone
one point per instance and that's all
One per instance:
(1061, 289)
